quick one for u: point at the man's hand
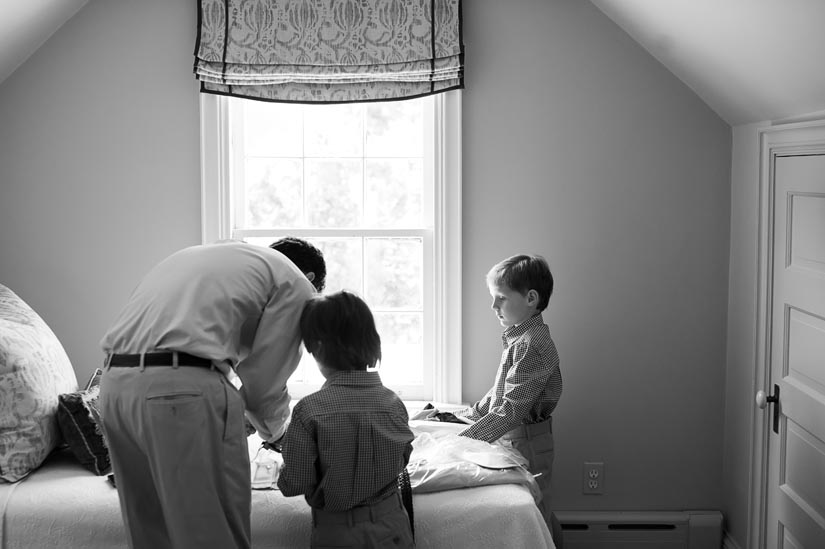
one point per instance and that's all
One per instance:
(250, 429)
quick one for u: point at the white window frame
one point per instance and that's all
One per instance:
(217, 215)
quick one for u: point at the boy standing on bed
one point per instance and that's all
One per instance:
(519, 405)
(347, 444)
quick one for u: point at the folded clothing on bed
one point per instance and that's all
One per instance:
(443, 460)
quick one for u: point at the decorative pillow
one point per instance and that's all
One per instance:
(79, 420)
(34, 369)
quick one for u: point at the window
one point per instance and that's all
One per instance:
(376, 186)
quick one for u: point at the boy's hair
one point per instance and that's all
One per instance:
(523, 273)
(339, 331)
(305, 256)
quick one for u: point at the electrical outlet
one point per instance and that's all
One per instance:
(593, 477)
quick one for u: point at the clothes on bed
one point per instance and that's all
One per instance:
(176, 432)
(442, 460)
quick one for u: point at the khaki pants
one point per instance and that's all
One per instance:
(179, 454)
(381, 525)
(535, 442)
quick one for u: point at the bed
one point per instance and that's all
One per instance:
(62, 504)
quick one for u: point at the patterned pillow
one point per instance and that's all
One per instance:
(79, 418)
(34, 369)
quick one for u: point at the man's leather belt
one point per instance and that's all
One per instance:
(160, 359)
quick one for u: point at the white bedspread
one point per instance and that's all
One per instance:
(62, 505)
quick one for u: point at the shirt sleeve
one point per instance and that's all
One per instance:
(402, 413)
(477, 410)
(524, 382)
(299, 474)
(273, 357)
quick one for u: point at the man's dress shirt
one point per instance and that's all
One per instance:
(234, 303)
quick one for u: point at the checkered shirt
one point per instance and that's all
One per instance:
(527, 386)
(346, 444)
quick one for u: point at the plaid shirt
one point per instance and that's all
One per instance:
(346, 444)
(527, 387)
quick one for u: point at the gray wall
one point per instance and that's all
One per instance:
(580, 146)
(577, 145)
(99, 164)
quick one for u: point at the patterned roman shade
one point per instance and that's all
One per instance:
(329, 51)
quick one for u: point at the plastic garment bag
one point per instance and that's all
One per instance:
(442, 460)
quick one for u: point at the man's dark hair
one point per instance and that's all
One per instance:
(305, 256)
(339, 331)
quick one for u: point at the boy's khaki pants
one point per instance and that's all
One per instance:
(535, 442)
(179, 453)
(381, 525)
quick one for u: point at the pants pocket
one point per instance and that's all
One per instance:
(392, 531)
(175, 422)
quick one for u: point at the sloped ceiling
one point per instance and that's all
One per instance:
(25, 25)
(749, 60)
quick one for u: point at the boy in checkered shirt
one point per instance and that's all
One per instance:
(528, 383)
(347, 443)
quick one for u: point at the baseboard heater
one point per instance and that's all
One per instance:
(641, 530)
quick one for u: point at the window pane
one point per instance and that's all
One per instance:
(307, 370)
(394, 193)
(334, 130)
(394, 273)
(344, 257)
(334, 193)
(273, 193)
(395, 129)
(272, 129)
(402, 348)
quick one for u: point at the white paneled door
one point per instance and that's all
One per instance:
(795, 422)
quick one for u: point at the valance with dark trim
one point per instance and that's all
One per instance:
(329, 51)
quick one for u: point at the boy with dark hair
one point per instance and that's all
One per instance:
(347, 443)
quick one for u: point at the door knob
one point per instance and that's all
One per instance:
(763, 400)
